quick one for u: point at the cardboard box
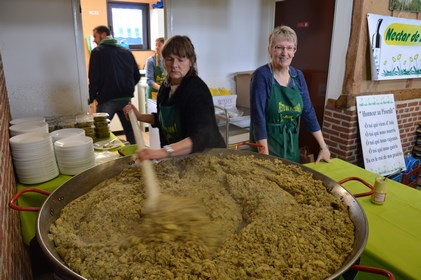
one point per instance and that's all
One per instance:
(225, 101)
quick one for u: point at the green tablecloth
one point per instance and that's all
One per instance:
(28, 219)
(394, 241)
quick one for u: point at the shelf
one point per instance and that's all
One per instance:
(236, 134)
(238, 129)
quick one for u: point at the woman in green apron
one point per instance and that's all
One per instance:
(185, 111)
(279, 99)
(155, 73)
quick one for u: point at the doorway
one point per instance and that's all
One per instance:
(313, 23)
(95, 13)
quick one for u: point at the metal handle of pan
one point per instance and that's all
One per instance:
(373, 270)
(245, 143)
(13, 205)
(372, 189)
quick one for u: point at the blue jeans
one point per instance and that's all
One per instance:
(116, 107)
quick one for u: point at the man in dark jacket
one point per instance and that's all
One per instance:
(113, 75)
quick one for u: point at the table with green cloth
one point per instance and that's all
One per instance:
(394, 239)
(31, 199)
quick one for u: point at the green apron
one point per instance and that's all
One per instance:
(171, 129)
(158, 75)
(282, 122)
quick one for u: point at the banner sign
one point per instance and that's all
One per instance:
(395, 47)
(379, 133)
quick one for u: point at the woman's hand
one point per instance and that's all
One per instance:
(324, 154)
(129, 107)
(264, 150)
(183, 147)
(150, 154)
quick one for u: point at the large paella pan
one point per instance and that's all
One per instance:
(83, 183)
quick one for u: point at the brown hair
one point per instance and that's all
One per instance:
(180, 46)
(102, 29)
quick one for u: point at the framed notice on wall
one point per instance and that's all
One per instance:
(395, 45)
(379, 133)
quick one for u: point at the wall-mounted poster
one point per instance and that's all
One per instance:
(395, 47)
(405, 5)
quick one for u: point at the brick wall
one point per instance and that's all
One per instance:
(409, 116)
(14, 260)
(340, 129)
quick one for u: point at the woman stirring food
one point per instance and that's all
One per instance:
(185, 111)
(279, 98)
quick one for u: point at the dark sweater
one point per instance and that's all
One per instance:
(197, 113)
(113, 73)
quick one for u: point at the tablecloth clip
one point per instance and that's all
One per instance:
(373, 270)
(13, 205)
(372, 189)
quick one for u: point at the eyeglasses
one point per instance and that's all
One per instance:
(283, 48)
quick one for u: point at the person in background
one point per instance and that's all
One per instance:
(155, 73)
(185, 111)
(113, 75)
(279, 97)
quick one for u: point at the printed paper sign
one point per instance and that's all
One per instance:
(395, 47)
(379, 133)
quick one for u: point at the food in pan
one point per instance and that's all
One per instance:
(274, 222)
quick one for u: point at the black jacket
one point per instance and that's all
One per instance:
(113, 73)
(193, 100)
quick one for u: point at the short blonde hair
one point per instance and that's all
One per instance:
(285, 32)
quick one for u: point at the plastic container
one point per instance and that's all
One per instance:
(84, 120)
(98, 117)
(379, 195)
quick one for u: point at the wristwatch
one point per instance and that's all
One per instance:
(169, 150)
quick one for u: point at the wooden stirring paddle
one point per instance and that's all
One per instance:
(151, 181)
(169, 218)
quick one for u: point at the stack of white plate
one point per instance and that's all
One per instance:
(33, 157)
(74, 154)
(29, 126)
(66, 132)
(30, 119)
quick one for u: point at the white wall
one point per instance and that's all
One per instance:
(41, 43)
(42, 49)
(229, 36)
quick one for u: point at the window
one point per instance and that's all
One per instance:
(129, 24)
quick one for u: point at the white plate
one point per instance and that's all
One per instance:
(106, 145)
(26, 127)
(66, 132)
(73, 141)
(29, 138)
(30, 119)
